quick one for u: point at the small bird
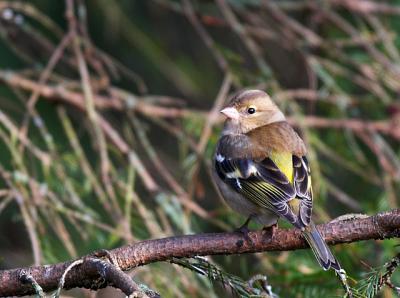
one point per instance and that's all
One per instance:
(261, 170)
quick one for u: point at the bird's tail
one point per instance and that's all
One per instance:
(321, 251)
(324, 255)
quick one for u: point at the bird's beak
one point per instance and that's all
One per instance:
(230, 113)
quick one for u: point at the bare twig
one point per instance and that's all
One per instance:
(26, 278)
(367, 7)
(207, 39)
(210, 121)
(238, 28)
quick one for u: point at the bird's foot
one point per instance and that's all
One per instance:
(268, 232)
(244, 231)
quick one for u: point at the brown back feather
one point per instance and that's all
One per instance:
(260, 142)
(278, 136)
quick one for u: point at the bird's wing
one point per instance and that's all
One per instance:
(302, 185)
(262, 182)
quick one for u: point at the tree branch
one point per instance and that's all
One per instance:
(381, 226)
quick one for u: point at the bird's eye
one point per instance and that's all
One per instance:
(251, 110)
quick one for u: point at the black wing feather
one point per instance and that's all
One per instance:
(302, 184)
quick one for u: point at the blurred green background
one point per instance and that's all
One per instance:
(108, 126)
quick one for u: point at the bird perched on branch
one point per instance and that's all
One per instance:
(261, 169)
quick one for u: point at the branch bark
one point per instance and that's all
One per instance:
(381, 226)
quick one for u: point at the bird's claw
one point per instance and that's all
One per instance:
(244, 232)
(269, 232)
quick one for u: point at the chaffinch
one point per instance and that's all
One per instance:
(261, 169)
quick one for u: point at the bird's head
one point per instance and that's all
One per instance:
(248, 110)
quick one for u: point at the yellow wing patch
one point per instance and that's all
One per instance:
(284, 161)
